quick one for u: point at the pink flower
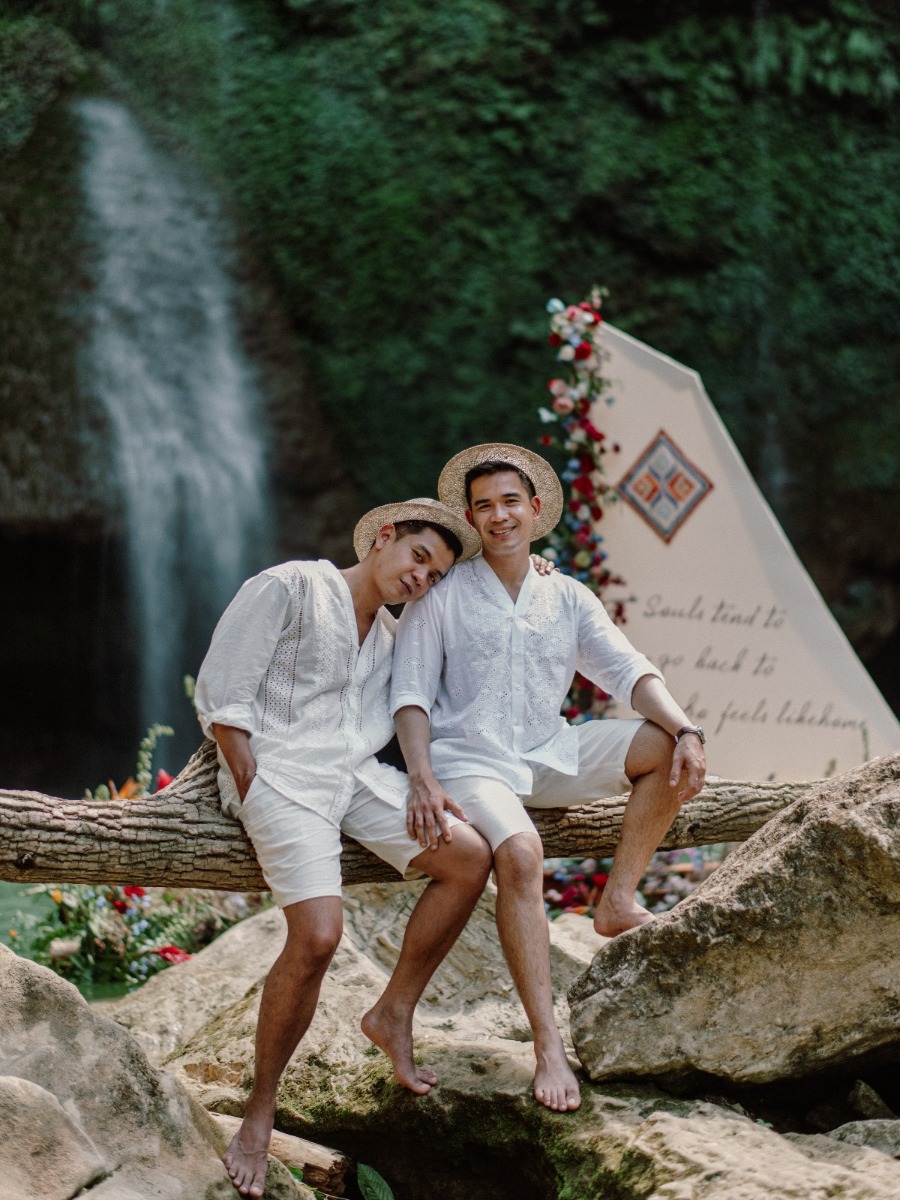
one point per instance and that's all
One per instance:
(558, 387)
(563, 405)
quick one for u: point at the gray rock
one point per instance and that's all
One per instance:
(479, 1135)
(866, 1102)
(54, 1159)
(883, 1135)
(81, 1106)
(782, 964)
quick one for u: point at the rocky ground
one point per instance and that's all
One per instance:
(741, 1047)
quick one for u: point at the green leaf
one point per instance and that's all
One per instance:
(372, 1186)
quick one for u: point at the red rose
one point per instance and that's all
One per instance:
(545, 439)
(583, 351)
(581, 483)
(554, 339)
(120, 906)
(596, 512)
(586, 462)
(131, 890)
(172, 954)
(163, 779)
(574, 505)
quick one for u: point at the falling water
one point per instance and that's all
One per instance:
(164, 359)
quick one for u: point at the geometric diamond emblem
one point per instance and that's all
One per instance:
(664, 486)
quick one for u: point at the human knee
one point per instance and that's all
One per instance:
(650, 751)
(476, 857)
(319, 945)
(519, 861)
(466, 858)
(313, 939)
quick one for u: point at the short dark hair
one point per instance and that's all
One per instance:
(408, 528)
(493, 466)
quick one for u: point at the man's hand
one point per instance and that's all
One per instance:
(427, 806)
(235, 746)
(543, 566)
(688, 767)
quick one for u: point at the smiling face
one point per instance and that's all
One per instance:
(503, 513)
(408, 565)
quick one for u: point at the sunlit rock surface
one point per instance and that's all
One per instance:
(479, 1134)
(82, 1107)
(783, 964)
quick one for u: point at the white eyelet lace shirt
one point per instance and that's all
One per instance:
(493, 674)
(285, 664)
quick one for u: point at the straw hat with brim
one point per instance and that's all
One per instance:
(420, 509)
(452, 483)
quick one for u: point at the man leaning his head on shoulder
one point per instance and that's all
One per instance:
(481, 669)
(295, 691)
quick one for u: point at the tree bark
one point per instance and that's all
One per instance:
(180, 838)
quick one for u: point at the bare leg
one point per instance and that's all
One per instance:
(524, 935)
(459, 871)
(650, 811)
(289, 1000)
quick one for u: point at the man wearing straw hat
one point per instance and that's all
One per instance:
(481, 669)
(295, 691)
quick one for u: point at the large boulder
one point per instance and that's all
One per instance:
(171, 1006)
(783, 964)
(479, 1134)
(82, 1108)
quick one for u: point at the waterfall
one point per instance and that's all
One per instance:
(162, 356)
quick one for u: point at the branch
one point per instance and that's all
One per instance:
(180, 838)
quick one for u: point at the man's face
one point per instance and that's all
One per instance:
(502, 512)
(408, 566)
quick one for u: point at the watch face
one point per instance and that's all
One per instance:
(691, 729)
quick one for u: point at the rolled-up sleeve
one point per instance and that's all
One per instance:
(418, 654)
(240, 653)
(605, 655)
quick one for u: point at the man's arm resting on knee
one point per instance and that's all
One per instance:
(427, 804)
(235, 746)
(652, 699)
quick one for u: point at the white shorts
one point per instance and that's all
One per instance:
(495, 810)
(299, 850)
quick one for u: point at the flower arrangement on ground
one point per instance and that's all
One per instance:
(100, 934)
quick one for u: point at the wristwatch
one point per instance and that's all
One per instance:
(691, 729)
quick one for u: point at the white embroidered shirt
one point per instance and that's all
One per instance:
(492, 674)
(285, 665)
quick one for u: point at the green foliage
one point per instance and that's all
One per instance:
(422, 176)
(98, 935)
(36, 60)
(371, 1184)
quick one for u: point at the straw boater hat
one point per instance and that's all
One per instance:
(452, 483)
(420, 509)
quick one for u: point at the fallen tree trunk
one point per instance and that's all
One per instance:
(180, 838)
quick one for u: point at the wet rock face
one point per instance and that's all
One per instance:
(781, 965)
(80, 1105)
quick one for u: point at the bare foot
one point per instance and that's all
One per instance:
(394, 1036)
(246, 1158)
(611, 919)
(555, 1085)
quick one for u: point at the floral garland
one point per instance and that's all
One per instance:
(576, 330)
